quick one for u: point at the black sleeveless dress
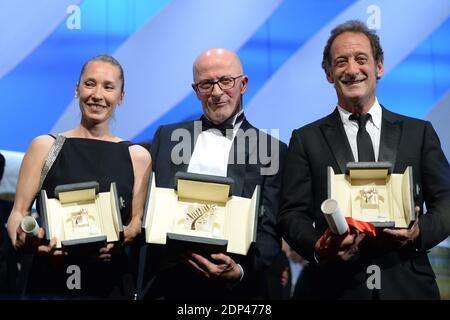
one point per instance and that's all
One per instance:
(82, 160)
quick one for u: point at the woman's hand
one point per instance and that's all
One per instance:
(131, 231)
(34, 244)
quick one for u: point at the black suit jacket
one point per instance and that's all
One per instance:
(405, 273)
(2, 166)
(173, 280)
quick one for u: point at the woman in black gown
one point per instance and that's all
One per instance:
(90, 153)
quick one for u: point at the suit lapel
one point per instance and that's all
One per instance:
(183, 167)
(236, 169)
(391, 129)
(334, 133)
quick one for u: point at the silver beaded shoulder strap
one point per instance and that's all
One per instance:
(52, 155)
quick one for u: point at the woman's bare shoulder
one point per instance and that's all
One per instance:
(42, 143)
(139, 153)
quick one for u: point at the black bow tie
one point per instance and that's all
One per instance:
(206, 124)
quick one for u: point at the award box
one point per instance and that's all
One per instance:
(370, 192)
(201, 214)
(81, 215)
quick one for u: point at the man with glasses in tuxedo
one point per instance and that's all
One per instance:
(221, 143)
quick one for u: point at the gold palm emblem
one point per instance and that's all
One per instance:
(199, 214)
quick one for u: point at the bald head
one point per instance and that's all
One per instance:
(217, 57)
(216, 67)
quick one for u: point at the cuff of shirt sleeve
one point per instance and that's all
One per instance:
(242, 273)
(315, 258)
(234, 284)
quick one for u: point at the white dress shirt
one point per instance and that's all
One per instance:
(373, 127)
(211, 151)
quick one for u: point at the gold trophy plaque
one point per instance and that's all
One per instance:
(369, 198)
(79, 219)
(199, 217)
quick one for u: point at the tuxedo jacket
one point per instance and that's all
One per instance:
(174, 280)
(405, 273)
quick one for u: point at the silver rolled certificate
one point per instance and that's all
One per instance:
(335, 219)
(30, 226)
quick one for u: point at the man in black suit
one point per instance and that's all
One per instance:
(341, 267)
(222, 143)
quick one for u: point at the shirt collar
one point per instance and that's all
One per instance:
(232, 120)
(375, 113)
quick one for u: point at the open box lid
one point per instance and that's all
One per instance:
(368, 170)
(203, 187)
(83, 191)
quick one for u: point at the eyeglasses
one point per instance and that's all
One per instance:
(224, 83)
